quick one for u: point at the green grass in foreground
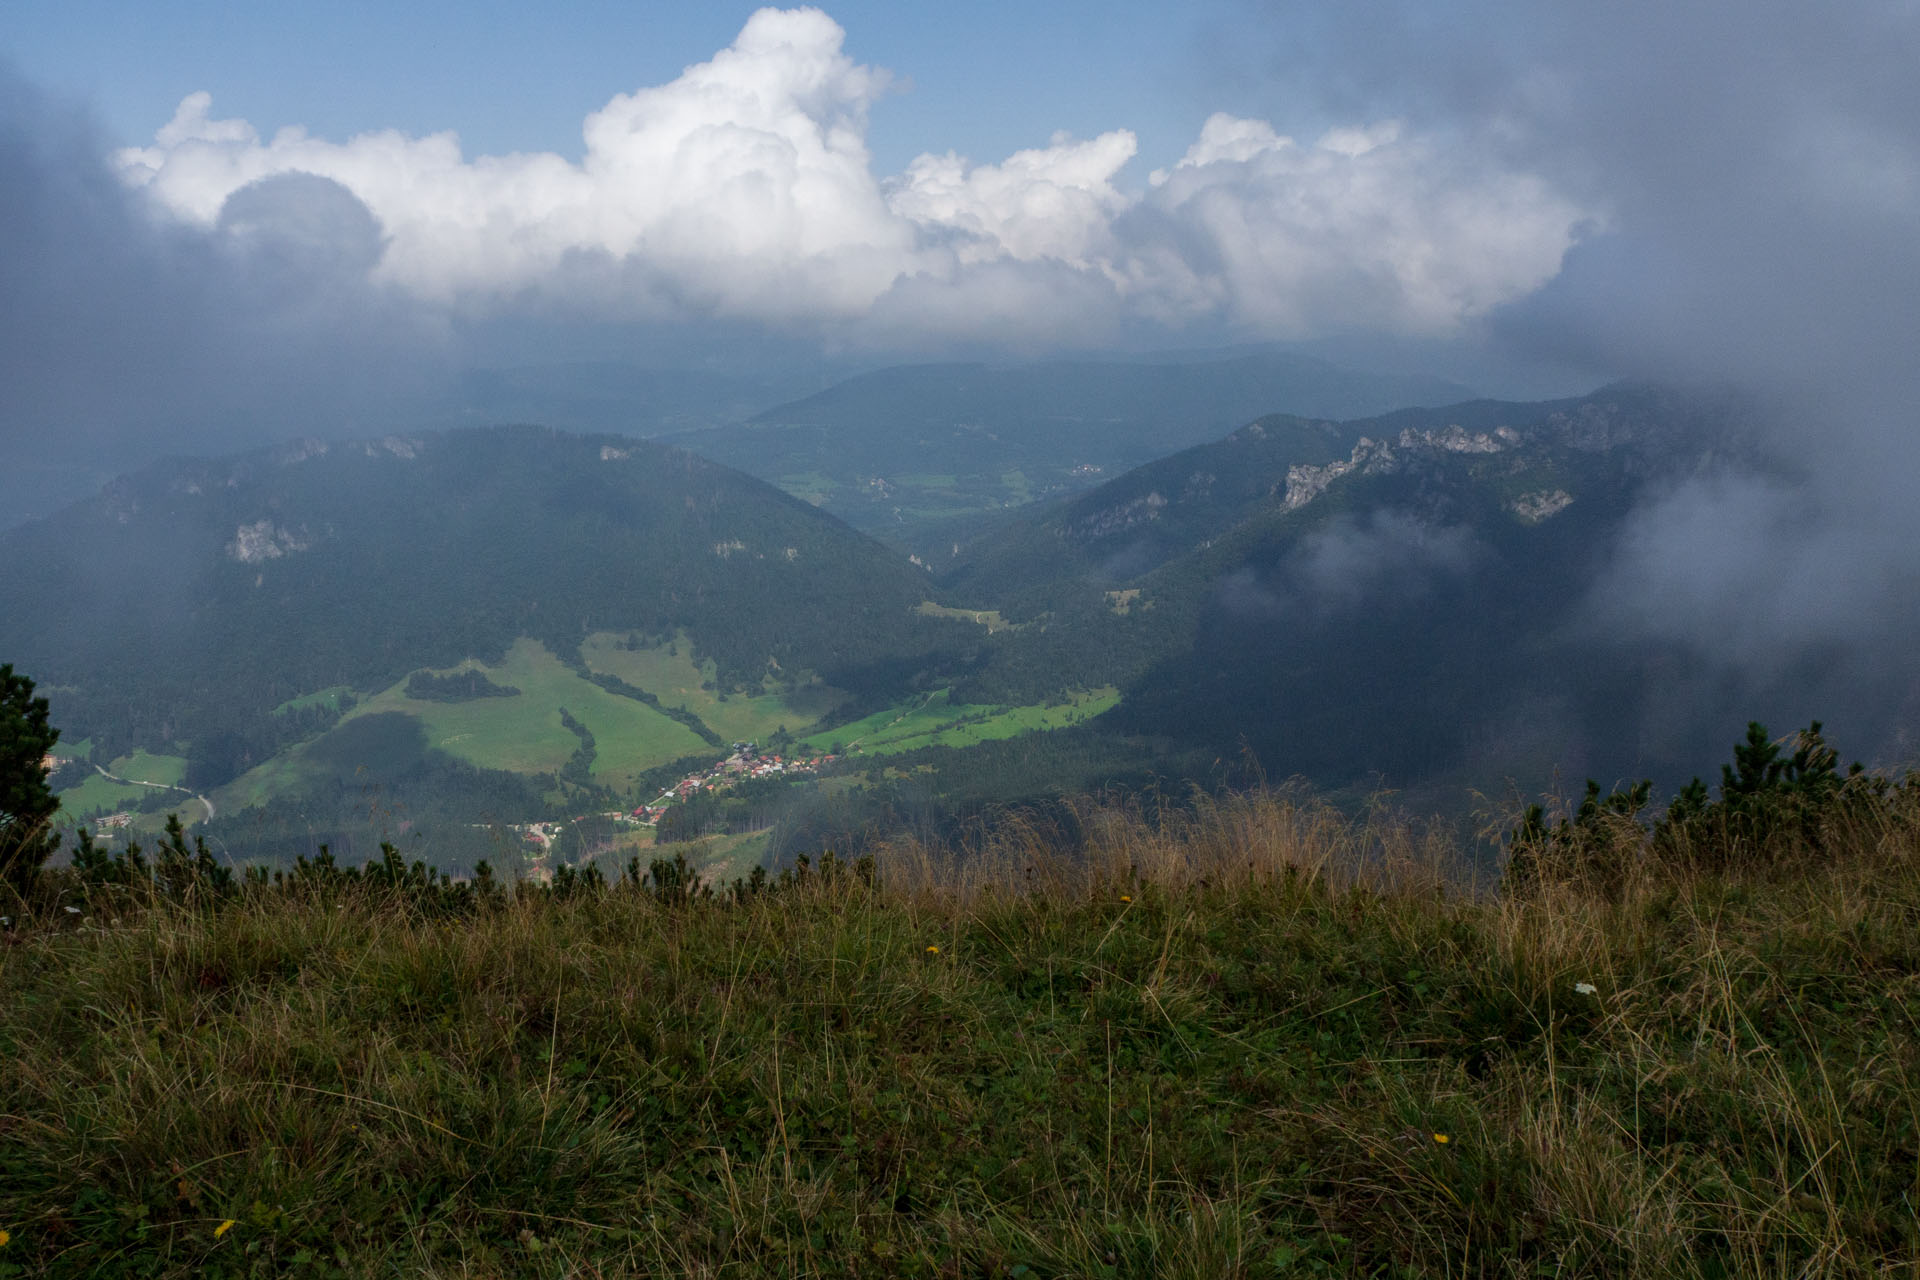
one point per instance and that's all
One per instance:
(1209, 1049)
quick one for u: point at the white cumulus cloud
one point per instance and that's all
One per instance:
(744, 189)
(1052, 203)
(1362, 229)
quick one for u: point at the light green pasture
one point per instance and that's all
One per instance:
(523, 733)
(676, 680)
(520, 734)
(936, 721)
(148, 766)
(99, 795)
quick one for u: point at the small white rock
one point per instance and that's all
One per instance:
(1585, 989)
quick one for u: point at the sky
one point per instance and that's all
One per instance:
(890, 176)
(224, 223)
(986, 80)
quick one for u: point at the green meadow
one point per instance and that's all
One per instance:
(329, 698)
(98, 794)
(716, 859)
(148, 766)
(669, 673)
(937, 721)
(988, 618)
(522, 733)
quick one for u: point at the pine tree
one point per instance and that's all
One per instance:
(27, 804)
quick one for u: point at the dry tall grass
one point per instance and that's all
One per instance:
(1226, 1042)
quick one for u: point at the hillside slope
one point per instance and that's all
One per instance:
(1404, 597)
(197, 597)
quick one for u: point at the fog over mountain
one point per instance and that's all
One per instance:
(1756, 173)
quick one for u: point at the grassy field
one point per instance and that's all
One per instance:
(718, 859)
(675, 679)
(936, 721)
(283, 774)
(1258, 1040)
(97, 794)
(988, 618)
(147, 766)
(522, 733)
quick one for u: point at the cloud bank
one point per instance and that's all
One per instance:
(122, 337)
(744, 190)
(1759, 165)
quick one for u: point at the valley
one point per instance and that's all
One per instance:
(921, 454)
(435, 639)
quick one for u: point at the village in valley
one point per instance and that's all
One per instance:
(745, 763)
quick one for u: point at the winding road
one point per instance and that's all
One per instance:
(162, 786)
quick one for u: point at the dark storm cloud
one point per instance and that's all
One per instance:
(123, 337)
(1757, 169)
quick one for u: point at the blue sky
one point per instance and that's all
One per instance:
(985, 79)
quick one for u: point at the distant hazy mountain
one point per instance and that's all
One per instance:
(622, 398)
(902, 447)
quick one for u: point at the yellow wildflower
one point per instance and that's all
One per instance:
(933, 951)
(223, 1228)
(1442, 1139)
(1125, 898)
(5, 1239)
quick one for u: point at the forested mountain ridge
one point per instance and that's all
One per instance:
(195, 594)
(1400, 596)
(1160, 510)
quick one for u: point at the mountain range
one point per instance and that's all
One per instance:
(498, 623)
